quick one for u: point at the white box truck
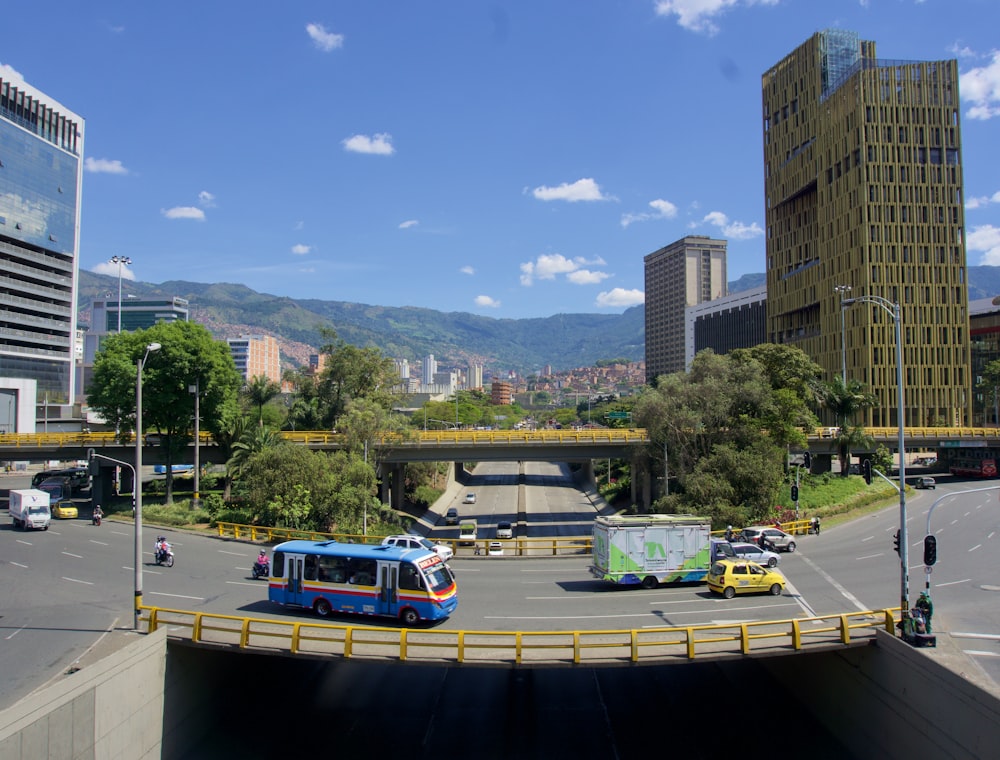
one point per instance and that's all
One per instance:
(29, 508)
(467, 531)
(648, 550)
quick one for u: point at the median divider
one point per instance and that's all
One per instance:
(645, 645)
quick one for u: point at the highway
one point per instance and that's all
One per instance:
(63, 587)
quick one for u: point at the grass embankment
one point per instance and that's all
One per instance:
(835, 499)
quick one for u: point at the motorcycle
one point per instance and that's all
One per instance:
(261, 570)
(165, 556)
(96, 519)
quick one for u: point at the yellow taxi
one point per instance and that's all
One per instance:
(730, 577)
(64, 510)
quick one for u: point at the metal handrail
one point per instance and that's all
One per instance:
(519, 647)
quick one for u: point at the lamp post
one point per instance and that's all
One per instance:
(138, 478)
(197, 441)
(841, 289)
(893, 310)
(120, 261)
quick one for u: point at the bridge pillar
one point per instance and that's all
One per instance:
(383, 483)
(821, 463)
(397, 489)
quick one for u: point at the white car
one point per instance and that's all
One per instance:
(407, 541)
(755, 554)
(470, 498)
(495, 549)
(505, 529)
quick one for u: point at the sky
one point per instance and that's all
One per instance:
(509, 159)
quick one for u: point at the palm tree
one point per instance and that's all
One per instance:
(845, 400)
(259, 391)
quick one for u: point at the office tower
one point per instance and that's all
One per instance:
(738, 320)
(256, 356)
(41, 173)
(863, 199)
(136, 314)
(685, 273)
(429, 369)
(475, 377)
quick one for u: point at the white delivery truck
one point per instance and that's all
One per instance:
(467, 531)
(29, 508)
(648, 550)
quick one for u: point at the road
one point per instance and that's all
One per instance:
(63, 587)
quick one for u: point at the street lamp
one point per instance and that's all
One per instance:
(893, 310)
(841, 289)
(138, 478)
(120, 261)
(197, 441)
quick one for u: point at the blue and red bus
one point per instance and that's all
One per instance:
(974, 468)
(327, 577)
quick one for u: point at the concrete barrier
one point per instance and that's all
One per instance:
(112, 708)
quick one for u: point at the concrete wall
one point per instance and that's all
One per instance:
(111, 709)
(893, 700)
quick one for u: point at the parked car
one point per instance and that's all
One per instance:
(781, 541)
(925, 483)
(754, 553)
(730, 577)
(470, 498)
(505, 529)
(407, 541)
(451, 516)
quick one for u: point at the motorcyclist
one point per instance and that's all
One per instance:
(98, 514)
(262, 561)
(162, 547)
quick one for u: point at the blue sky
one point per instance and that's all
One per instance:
(511, 159)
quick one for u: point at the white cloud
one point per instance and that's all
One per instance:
(983, 200)
(581, 190)
(700, 15)
(618, 297)
(547, 266)
(980, 88)
(733, 230)
(183, 212)
(487, 301)
(9, 72)
(661, 210)
(322, 39)
(467, 270)
(380, 144)
(408, 223)
(986, 239)
(206, 199)
(587, 277)
(104, 166)
(106, 267)
(301, 249)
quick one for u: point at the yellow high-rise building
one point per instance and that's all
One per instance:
(864, 198)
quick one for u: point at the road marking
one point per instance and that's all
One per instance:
(19, 565)
(981, 653)
(68, 554)
(26, 543)
(870, 538)
(99, 543)
(869, 556)
(74, 580)
(829, 579)
(121, 533)
(8, 638)
(952, 583)
(176, 596)
(964, 635)
(977, 546)
(556, 570)
(242, 583)
(233, 554)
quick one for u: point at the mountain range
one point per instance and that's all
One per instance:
(564, 341)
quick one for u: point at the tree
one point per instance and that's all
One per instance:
(989, 385)
(188, 356)
(845, 401)
(259, 391)
(352, 373)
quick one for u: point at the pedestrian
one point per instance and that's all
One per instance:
(926, 607)
(815, 525)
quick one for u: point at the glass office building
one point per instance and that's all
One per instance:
(41, 171)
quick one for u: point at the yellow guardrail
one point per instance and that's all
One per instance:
(794, 527)
(519, 647)
(511, 546)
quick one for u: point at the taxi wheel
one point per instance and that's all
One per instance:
(650, 582)
(729, 592)
(775, 589)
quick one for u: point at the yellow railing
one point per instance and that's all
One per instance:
(489, 647)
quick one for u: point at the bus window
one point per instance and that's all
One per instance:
(409, 577)
(332, 569)
(362, 572)
(278, 565)
(312, 565)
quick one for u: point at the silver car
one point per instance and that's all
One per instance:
(756, 554)
(781, 541)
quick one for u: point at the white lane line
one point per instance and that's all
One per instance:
(121, 533)
(869, 556)
(8, 638)
(233, 554)
(18, 564)
(26, 543)
(74, 580)
(870, 538)
(981, 653)
(800, 600)
(952, 583)
(558, 570)
(176, 596)
(68, 554)
(243, 583)
(99, 543)
(977, 546)
(829, 579)
(965, 635)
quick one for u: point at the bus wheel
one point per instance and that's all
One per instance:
(409, 616)
(322, 608)
(650, 582)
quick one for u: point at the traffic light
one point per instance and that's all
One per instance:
(866, 470)
(807, 460)
(930, 550)
(895, 542)
(795, 493)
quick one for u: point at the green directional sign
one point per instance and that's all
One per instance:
(618, 415)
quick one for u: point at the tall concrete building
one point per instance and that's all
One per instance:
(428, 369)
(863, 191)
(41, 174)
(256, 356)
(685, 273)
